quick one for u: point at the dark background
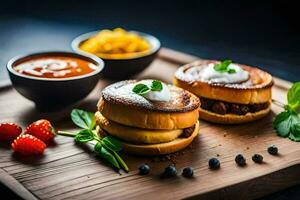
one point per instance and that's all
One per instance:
(259, 33)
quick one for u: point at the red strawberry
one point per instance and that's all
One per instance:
(41, 129)
(9, 131)
(28, 145)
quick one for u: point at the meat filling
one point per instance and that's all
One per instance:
(223, 108)
(187, 132)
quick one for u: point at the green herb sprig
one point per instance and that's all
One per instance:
(224, 67)
(287, 123)
(106, 147)
(142, 89)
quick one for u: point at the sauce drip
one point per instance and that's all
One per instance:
(55, 67)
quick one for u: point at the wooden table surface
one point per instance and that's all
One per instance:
(70, 171)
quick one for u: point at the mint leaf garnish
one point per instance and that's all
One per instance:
(156, 86)
(142, 89)
(287, 123)
(224, 67)
(231, 71)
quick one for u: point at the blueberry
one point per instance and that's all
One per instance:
(273, 150)
(214, 163)
(188, 172)
(240, 160)
(257, 158)
(170, 171)
(144, 169)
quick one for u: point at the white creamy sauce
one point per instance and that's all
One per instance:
(210, 74)
(55, 66)
(163, 95)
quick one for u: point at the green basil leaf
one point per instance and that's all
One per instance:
(296, 128)
(97, 147)
(295, 134)
(121, 161)
(284, 127)
(112, 143)
(156, 86)
(280, 117)
(294, 138)
(85, 135)
(285, 122)
(83, 119)
(141, 89)
(104, 153)
(293, 97)
(107, 144)
(295, 119)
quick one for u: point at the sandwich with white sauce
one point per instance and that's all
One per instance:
(149, 117)
(229, 93)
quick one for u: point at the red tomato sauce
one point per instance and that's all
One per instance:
(55, 67)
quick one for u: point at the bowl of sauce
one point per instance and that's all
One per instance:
(125, 53)
(54, 80)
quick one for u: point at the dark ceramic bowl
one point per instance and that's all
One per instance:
(51, 94)
(119, 69)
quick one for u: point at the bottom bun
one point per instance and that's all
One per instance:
(162, 148)
(232, 118)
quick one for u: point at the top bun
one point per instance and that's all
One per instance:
(120, 104)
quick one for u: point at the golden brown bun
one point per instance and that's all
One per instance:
(136, 135)
(147, 119)
(120, 104)
(256, 90)
(163, 148)
(121, 93)
(232, 118)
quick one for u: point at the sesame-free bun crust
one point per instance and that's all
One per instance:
(136, 135)
(121, 105)
(162, 148)
(121, 93)
(256, 90)
(232, 118)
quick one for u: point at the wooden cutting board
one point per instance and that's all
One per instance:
(69, 171)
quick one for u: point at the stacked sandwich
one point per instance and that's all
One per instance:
(149, 117)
